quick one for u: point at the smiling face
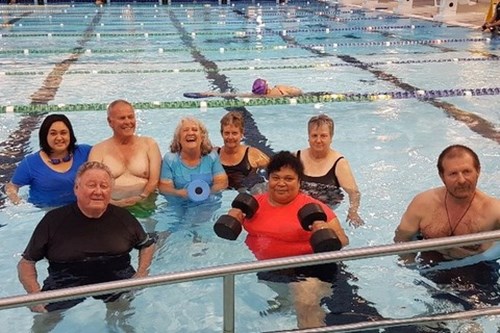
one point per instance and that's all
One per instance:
(284, 185)
(93, 192)
(121, 119)
(58, 138)
(232, 135)
(320, 138)
(190, 135)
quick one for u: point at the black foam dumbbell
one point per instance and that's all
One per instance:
(227, 226)
(322, 240)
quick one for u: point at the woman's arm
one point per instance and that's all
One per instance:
(12, 192)
(257, 159)
(166, 186)
(221, 182)
(333, 224)
(348, 183)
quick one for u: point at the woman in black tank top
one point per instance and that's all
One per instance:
(240, 162)
(326, 170)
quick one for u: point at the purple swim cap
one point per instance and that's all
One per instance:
(259, 87)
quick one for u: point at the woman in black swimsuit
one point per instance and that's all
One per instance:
(240, 162)
(326, 170)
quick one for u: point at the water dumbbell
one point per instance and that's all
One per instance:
(198, 190)
(227, 226)
(322, 240)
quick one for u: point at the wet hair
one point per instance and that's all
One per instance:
(285, 159)
(45, 128)
(457, 151)
(232, 118)
(116, 102)
(321, 120)
(92, 165)
(259, 87)
(206, 145)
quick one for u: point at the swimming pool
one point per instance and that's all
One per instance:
(82, 54)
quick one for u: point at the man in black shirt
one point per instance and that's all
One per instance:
(86, 242)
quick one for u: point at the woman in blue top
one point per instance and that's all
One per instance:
(50, 172)
(191, 159)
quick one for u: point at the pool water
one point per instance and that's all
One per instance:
(148, 53)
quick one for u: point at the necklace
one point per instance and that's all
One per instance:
(66, 158)
(452, 229)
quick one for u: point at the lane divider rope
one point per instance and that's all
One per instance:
(319, 66)
(240, 102)
(319, 47)
(217, 33)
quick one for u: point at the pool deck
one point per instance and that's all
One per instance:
(470, 14)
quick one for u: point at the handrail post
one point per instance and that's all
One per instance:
(228, 303)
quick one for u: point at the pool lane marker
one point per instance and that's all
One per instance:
(242, 33)
(324, 47)
(253, 137)
(17, 145)
(320, 66)
(433, 96)
(51, 84)
(476, 123)
(12, 22)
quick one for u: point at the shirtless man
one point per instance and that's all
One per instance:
(457, 208)
(134, 160)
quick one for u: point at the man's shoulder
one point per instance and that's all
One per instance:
(103, 145)
(56, 215)
(488, 200)
(145, 138)
(429, 196)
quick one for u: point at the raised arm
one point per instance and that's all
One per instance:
(348, 183)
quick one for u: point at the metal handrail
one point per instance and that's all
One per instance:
(370, 325)
(228, 272)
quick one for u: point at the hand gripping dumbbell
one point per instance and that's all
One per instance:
(322, 240)
(227, 226)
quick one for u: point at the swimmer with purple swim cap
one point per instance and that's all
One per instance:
(261, 87)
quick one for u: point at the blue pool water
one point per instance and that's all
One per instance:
(148, 53)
